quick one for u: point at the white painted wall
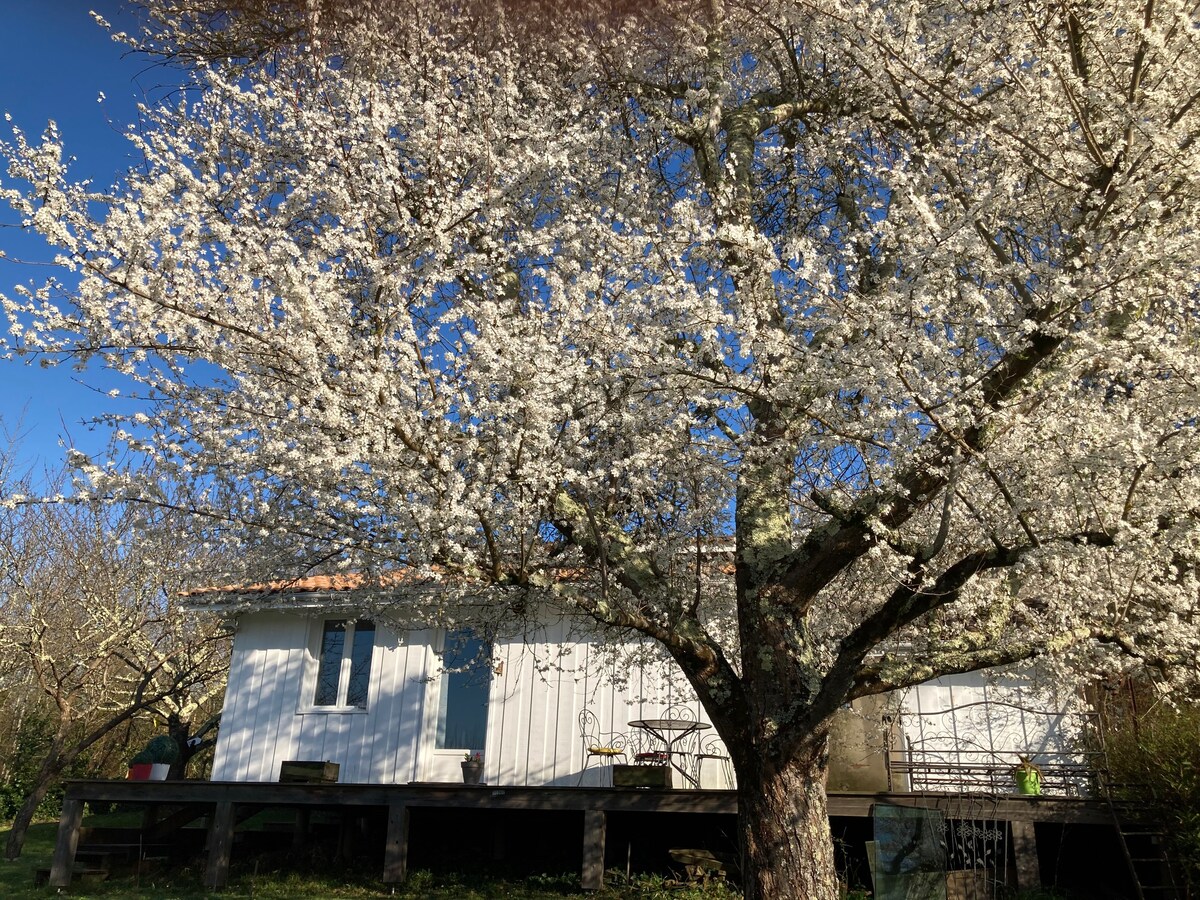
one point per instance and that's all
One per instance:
(539, 690)
(268, 718)
(533, 733)
(980, 719)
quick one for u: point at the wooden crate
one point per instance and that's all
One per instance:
(308, 772)
(642, 776)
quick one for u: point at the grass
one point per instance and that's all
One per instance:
(16, 883)
(16, 876)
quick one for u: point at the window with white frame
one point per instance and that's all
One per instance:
(344, 663)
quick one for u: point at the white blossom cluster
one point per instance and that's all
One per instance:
(882, 316)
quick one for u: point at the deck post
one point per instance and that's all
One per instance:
(220, 845)
(593, 849)
(395, 850)
(68, 840)
(347, 826)
(1029, 874)
(300, 834)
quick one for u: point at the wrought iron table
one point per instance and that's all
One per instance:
(671, 732)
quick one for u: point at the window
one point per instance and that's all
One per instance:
(463, 693)
(344, 667)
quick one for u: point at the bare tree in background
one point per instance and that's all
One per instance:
(90, 623)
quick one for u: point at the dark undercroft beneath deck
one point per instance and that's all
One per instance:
(594, 812)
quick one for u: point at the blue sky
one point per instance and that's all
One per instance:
(54, 62)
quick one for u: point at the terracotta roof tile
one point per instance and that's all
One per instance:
(312, 584)
(346, 582)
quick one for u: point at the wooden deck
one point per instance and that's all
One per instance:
(222, 804)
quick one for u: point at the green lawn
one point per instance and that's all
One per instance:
(16, 883)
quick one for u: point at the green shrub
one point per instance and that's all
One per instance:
(161, 749)
(1155, 761)
(23, 759)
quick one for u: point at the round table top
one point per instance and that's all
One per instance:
(669, 724)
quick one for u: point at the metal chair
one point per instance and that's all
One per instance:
(680, 711)
(646, 750)
(607, 750)
(713, 748)
(685, 747)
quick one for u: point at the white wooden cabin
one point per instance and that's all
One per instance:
(313, 682)
(389, 714)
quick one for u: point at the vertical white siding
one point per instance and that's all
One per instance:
(268, 656)
(533, 724)
(266, 720)
(534, 736)
(537, 695)
(981, 719)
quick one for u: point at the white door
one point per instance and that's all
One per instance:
(457, 700)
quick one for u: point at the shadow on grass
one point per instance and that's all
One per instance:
(294, 879)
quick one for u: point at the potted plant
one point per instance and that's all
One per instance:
(1028, 776)
(472, 767)
(140, 766)
(153, 762)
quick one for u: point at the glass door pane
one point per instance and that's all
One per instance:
(464, 687)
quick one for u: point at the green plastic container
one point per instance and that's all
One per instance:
(1029, 781)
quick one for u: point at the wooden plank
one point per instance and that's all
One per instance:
(155, 825)
(304, 771)
(220, 845)
(395, 849)
(977, 806)
(229, 751)
(407, 729)
(68, 840)
(1029, 874)
(593, 849)
(252, 647)
(265, 714)
(640, 776)
(954, 806)
(375, 755)
(701, 863)
(287, 730)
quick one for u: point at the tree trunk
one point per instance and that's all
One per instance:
(52, 766)
(58, 758)
(787, 847)
(180, 732)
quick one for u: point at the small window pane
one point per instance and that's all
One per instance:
(333, 644)
(360, 663)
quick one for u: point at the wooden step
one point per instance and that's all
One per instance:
(105, 834)
(94, 859)
(41, 877)
(125, 852)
